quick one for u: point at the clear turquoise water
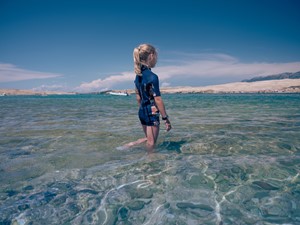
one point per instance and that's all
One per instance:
(230, 159)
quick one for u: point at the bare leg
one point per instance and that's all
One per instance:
(152, 135)
(133, 143)
(145, 130)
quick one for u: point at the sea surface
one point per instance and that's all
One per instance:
(229, 159)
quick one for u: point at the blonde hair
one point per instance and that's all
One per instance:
(140, 56)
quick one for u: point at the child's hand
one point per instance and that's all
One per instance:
(168, 125)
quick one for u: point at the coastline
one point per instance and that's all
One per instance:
(12, 92)
(269, 86)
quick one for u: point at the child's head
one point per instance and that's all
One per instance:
(144, 54)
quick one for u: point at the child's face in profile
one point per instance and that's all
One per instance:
(152, 60)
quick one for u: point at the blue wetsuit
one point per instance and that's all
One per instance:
(147, 87)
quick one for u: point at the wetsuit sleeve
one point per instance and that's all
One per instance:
(136, 83)
(155, 86)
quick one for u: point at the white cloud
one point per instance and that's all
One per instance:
(54, 87)
(165, 84)
(106, 83)
(220, 65)
(198, 66)
(11, 73)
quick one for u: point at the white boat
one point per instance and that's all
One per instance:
(118, 93)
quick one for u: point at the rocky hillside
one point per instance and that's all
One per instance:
(275, 77)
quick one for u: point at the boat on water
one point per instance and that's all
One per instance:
(118, 93)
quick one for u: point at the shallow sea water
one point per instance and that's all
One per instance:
(230, 159)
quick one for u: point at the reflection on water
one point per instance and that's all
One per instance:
(230, 159)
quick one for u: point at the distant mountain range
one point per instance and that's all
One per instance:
(275, 77)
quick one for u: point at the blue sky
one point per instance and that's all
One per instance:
(84, 45)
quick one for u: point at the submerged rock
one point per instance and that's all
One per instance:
(199, 181)
(265, 185)
(123, 213)
(28, 188)
(285, 146)
(136, 205)
(141, 193)
(185, 205)
(261, 195)
(11, 193)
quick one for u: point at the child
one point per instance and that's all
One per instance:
(148, 94)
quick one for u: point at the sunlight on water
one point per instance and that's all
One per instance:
(230, 159)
